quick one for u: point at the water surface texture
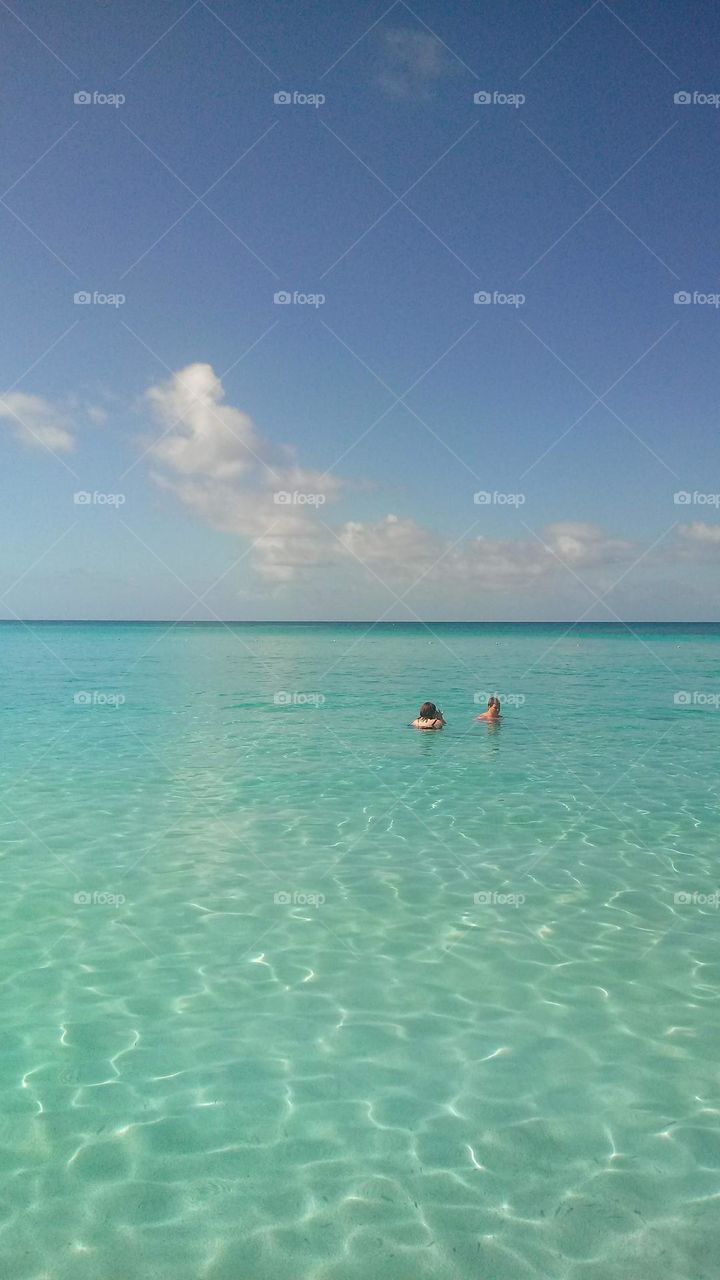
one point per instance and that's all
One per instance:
(293, 992)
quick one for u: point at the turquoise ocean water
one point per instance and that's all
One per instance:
(292, 992)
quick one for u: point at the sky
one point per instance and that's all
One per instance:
(322, 311)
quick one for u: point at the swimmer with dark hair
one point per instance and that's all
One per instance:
(428, 717)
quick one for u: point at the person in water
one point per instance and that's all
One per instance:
(493, 710)
(428, 717)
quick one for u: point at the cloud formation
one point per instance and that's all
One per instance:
(412, 63)
(403, 549)
(36, 422)
(219, 465)
(706, 535)
(214, 459)
(204, 436)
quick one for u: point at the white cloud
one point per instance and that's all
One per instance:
(228, 474)
(214, 459)
(398, 546)
(404, 549)
(585, 545)
(37, 422)
(205, 437)
(413, 62)
(707, 535)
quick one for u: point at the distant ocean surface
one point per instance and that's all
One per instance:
(290, 991)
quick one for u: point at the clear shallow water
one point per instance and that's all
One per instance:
(490, 1049)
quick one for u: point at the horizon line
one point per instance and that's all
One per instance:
(359, 622)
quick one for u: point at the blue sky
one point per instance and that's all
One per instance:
(581, 410)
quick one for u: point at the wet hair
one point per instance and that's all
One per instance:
(428, 711)
(493, 702)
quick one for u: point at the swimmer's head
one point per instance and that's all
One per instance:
(428, 711)
(494, 704)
